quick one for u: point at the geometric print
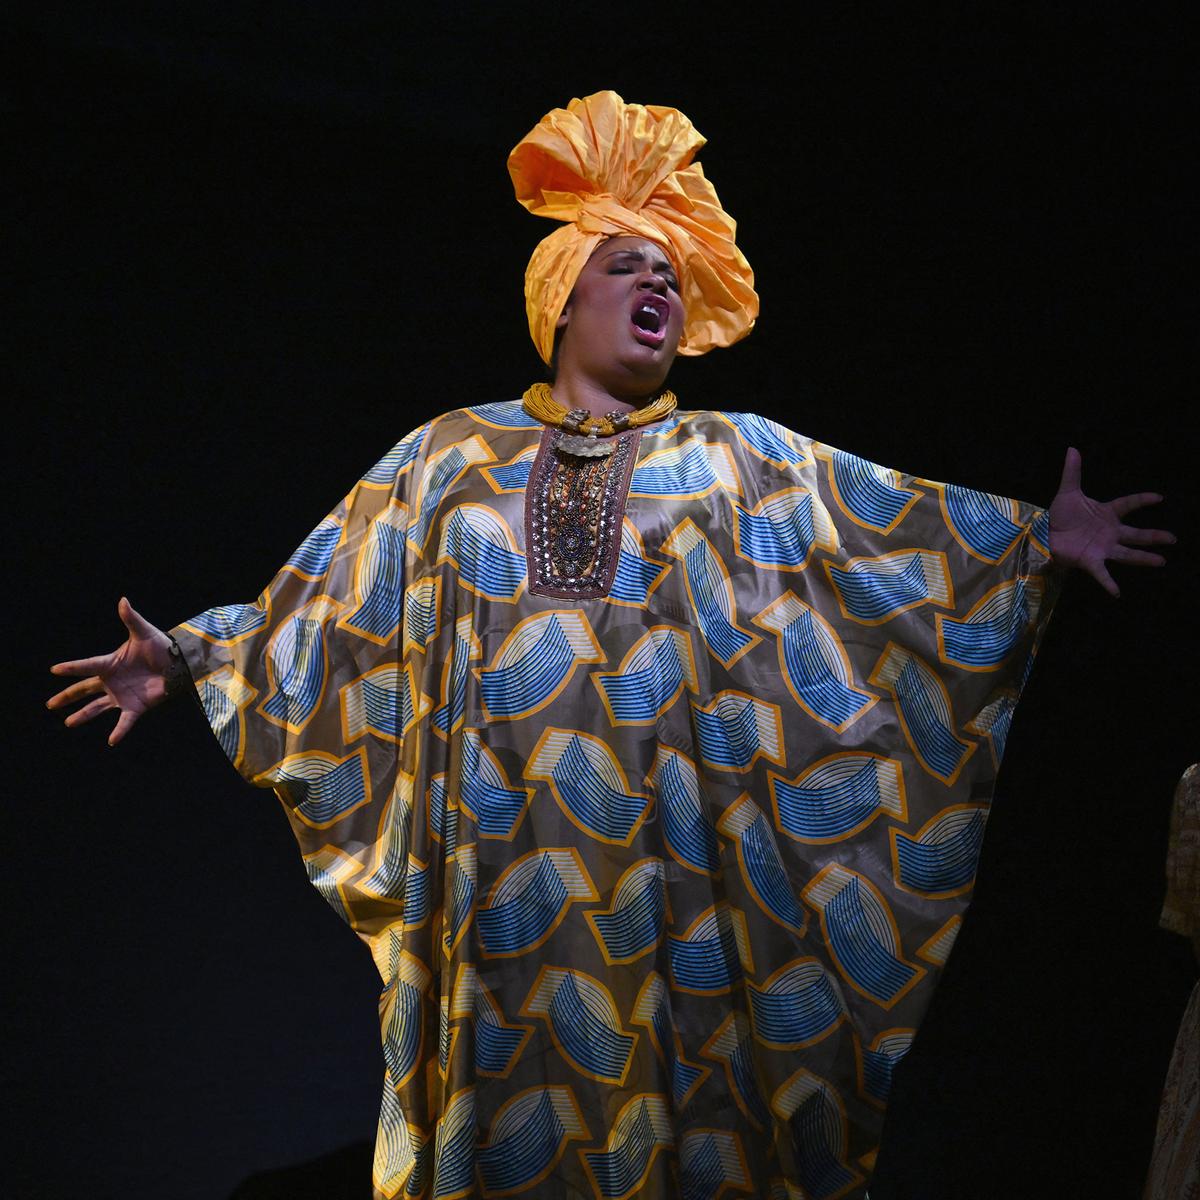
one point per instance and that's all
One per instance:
(658, 882)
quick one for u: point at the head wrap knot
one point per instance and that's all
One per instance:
(608, 169)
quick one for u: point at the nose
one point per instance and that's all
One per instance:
(653, 281)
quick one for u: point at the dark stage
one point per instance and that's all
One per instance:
(256, 244)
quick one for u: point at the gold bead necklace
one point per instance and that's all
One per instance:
(540, 404)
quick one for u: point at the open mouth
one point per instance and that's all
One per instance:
(650, 316)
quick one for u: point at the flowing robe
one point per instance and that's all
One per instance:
(658, 877)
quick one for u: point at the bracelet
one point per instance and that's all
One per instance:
(177, 678)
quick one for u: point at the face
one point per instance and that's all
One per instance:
(622, 325)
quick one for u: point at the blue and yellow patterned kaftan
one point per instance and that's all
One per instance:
(659, 824)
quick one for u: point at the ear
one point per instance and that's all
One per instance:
(563, 316)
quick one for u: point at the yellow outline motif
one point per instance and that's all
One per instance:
(552, 745)
(1034, 595)
(885, 675)
(595, 997)
(395, 515)
(825, 535)
(645, 647)
(936, 570)
(575, 628)
(679, 543)
(778, 617)
(822, 888)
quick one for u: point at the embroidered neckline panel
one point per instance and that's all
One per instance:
(574, 507)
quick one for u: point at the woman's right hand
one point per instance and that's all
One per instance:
(131, 678)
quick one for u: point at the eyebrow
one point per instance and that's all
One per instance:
(641, 256)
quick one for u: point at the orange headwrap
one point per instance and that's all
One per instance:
(611, 168)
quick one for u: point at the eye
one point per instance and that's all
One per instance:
(620, 271)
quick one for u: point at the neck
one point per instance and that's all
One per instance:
(583, 393)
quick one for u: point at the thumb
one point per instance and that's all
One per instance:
(1072, 472)
(133, 620)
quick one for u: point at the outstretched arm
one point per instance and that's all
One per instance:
(132, 678)
(1088, 534)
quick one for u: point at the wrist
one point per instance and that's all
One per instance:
(177, 678)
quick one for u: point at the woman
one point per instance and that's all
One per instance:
(649, 751)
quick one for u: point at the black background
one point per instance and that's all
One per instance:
(257, 243)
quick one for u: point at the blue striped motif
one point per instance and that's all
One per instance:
(395, 1154)
(448, 716)
(868, 498)
(701, 1174)
(708, 590)
(1040, 529)
(767, 438)
(381, 582)
(402, 1037)
(519, 1158)
(863, 956)
(871, 595)
(487, 564)
(418, 1181)
(436, 483)
(767, 876)
(598, 807)
(1000, 726)
(745, 1081)
(618, 1171)
(510, 690)
(785, 540)
(979, 522)
(443, 820)
(686, 825)
(329, 792)
(222, 716)
(639, 694)
(879, 1068)
(416, 896)
(827, 812)
(420, 613)
(707, 964)
(460, 903)
(326, 884)
(507, 413)
(227, 622)
(633, 578)
(682, 1075)
(516, 924)
(828, 696)
(988, 643)
(935, 743)
(941, 865)
(315, 553)
(389, 710)
(586, 1039)
(637, 921)
(496, 807)
(398, 458)
(512, 477)
(787, 1015)
(495, 1044)
(819, 1163)
(454, 1156)
(681, 474)
(728, 736)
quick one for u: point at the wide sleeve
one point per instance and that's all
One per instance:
(304, 688)
(963, 577)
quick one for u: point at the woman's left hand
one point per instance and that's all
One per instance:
(1087, 533)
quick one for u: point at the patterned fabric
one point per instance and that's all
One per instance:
(1175, 1165)
(658, 882)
